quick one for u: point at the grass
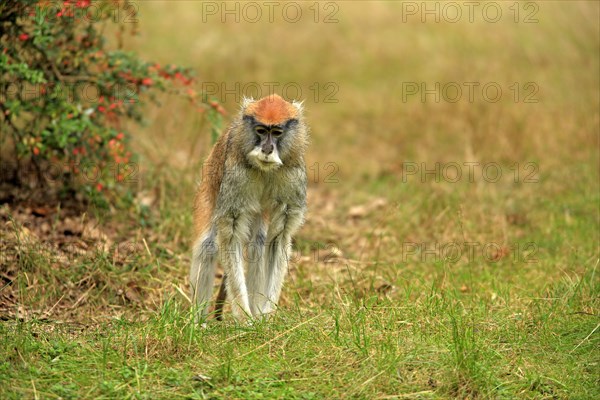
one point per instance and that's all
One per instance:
(424, 343)
(402, 285)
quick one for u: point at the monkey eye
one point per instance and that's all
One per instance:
(261, 130)
(276, 132)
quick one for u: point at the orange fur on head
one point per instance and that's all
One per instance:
(272, 110)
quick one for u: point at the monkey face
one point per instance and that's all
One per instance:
(265, 154)
(271, 143)
(271, 131)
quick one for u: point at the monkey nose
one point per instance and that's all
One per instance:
(267, 149)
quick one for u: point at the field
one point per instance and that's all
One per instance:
(451, 248)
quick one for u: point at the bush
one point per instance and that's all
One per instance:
(64, 96)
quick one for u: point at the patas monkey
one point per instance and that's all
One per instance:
(251, 200)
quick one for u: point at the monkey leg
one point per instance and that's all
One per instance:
(284, 223)
(257, 278)
(202, 272)
(277, 265)
(230, 239)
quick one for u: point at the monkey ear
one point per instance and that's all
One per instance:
(299, 105)
(246, 101)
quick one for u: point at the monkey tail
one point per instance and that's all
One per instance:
(221, 299)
